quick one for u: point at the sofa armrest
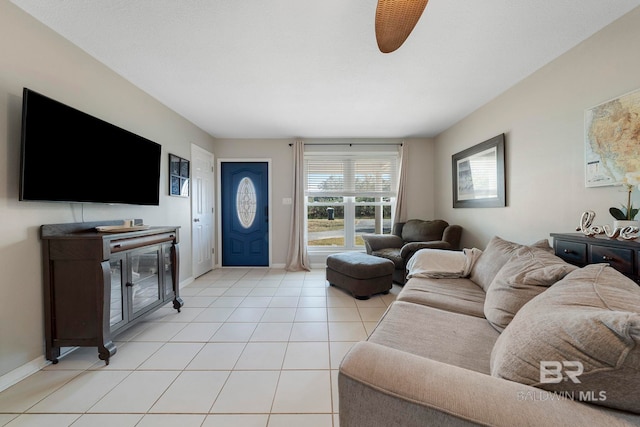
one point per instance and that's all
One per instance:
(375, 242)
(379, 385)
(409, 249)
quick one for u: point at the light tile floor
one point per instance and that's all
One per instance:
(251, 347)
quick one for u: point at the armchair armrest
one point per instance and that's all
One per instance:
(452, 235)
(380, 385)
(409, 249)
(375, 242)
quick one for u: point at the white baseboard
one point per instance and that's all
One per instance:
(217, 266)
(186, 282)
(22, 372)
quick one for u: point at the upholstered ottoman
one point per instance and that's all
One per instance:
(361, 274)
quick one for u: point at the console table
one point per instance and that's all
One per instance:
(98, 284)
(580, 250)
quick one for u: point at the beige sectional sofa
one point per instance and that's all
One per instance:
(468, 351)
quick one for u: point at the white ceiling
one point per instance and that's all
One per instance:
(312, 69)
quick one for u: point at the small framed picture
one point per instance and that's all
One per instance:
(178, 176)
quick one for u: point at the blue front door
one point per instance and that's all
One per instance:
(245, 213)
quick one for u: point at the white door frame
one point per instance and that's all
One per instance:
(218, 254)
(197, 149)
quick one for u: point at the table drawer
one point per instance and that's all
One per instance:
(620, 259)
(572, 252)
(120, 245)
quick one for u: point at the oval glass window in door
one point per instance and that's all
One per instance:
(246, 202)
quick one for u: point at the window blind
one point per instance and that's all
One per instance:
(362, 176)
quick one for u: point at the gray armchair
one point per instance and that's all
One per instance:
(409, 237)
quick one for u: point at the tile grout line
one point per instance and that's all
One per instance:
(250, 283)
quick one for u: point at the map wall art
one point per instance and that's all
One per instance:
(612, 140)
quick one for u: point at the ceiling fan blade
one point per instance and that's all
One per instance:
(395, 19)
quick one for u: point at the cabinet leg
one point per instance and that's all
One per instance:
(52, 354)
(177, 303)
(106, 351)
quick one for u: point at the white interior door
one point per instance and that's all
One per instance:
(202, 202)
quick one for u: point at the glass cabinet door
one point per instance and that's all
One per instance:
(144, 286)
(117, 301)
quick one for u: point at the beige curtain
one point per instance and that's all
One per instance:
(297, 256)
(400, 214)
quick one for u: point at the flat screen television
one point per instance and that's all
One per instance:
(71, 156)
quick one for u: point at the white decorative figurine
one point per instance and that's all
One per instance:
(585, 227)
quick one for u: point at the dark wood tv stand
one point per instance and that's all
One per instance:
(98, 284)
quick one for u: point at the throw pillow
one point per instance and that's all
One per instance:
(496, 254)
(580, 338)
(527, 273)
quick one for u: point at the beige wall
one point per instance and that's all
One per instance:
(543, 119)
(280, 153)
(33, 56)
(420, 182)
(421, 179)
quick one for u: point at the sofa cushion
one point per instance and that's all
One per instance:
(456, 295)
(437, 334)
(527, 273)
(496, 254)
(392, 254)
(416, 230)
(590, 317)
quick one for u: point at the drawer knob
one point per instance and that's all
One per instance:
(607, 258)
(568, 251)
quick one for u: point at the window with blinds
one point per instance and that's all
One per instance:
(371, 176)
(347, 195)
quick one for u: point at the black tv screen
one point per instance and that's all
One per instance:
(70, 156)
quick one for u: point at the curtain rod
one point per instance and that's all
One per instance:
(350, 144)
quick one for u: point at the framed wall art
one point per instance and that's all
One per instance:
(178, 176)
(612, 138)
(478, 175)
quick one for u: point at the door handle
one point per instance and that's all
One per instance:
(196, 220)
